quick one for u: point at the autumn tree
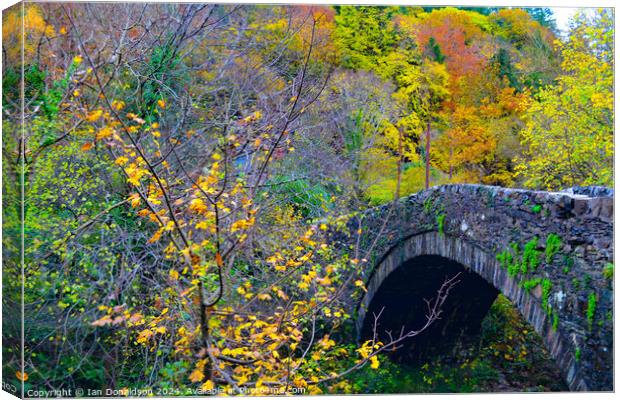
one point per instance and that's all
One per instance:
(568, 139)
(363, 34)
(157, 220)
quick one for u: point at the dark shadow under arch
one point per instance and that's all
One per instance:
(400, 303)
(455, 253)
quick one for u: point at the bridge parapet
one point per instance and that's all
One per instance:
(547, 251)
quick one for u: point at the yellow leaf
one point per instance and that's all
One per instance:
(122, 160)
(118, 104)
(359, 283)
(94, 115)
(214, 323)
(197, 206)
(104, 133)
(208, 385)
(161, 103)
(196, 376)
(242, 379)
(374, 362)
(155, 237)
(135, 200)
(77, 59)
(174, 275)
(144, 336)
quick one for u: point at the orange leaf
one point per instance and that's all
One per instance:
(21, 377)
(87, 146)
(155, 237)
(218, 259)
(196, 376)
(94, 115)
(102, 321)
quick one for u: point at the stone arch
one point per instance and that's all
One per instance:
(484, 264)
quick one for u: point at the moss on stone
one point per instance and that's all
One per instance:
(608, 271)
(591, 308)
(554, 244)
(530, 284)
(441, 218)
(531, 256)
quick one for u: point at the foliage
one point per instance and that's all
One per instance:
(591, 311)
(553, 245)
(505, 258)
(507, 347)
(436, 377)
(563, 145)
(34, 27)
(308, 200)
(530, 284)
(441, 218)
(531, 256)
(363, 35)
(568, 263)
(608, 271)
(510, 344)
(412, 181)
(577, 354)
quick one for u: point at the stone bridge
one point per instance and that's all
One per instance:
(551, 254)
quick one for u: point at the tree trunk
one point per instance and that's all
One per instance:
(400, 162)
